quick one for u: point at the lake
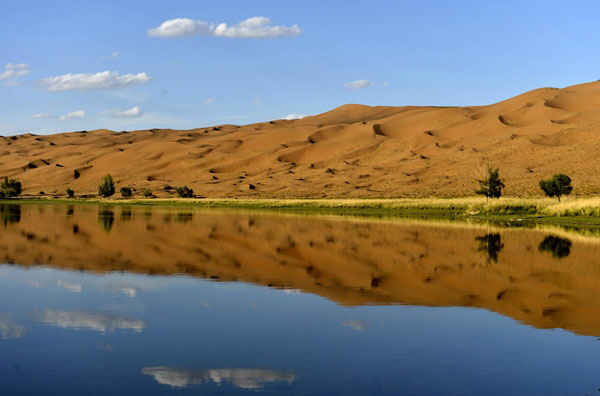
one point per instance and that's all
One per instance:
(152, 300)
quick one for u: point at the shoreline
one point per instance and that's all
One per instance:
(573, 211)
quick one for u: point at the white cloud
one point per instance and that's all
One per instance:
(241, 378)
(385, 84)
(42, 116)
(20, 69)
(74, 115)
(208, 100)
(255, 27)
(358, 84)
(293, 117)
(180, 27)
(256, 101)
(97, 321)
(111, 56)
(12, 72)
(134, 112)
(88, 82)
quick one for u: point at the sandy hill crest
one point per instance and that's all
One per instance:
(351, 151)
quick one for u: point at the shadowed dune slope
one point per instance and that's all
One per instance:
(351, 151)
(534, 276)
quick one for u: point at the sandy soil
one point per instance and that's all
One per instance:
(352, 262)
(351, 151)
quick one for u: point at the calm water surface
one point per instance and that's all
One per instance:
(117, 300)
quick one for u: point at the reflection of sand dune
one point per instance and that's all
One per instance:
(241, 378)
(10, 329)
(514, 272)
(290, 158)
(98, 321)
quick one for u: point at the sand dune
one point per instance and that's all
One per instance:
(351, 151)
(525, 274)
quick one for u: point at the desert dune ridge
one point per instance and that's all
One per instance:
(353, 151)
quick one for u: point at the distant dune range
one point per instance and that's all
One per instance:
(351, 151)
(352, 262)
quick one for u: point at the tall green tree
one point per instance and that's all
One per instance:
(491, 186)
(559, 185)
(106, 187)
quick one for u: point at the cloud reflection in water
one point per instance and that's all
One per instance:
(10, 329)
(241, 378)
(98, 321)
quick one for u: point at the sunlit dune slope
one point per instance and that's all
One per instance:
(351, 151)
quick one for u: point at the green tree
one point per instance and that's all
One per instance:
(185, 192)
(70, 193)
(106, 187)
(559, 185)
(491, 186)
(10, 188)
(126, 192)
(147, 194)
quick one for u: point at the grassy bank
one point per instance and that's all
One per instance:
(584, 208)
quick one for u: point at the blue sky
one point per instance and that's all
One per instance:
(316, 55)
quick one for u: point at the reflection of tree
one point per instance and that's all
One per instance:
(10, 214)
(125, 213)
(557, 246)
(106, 218)
(491, 244)
(183, 217)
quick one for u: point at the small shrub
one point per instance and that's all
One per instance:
(106, 187)
(70, 193)
(185, 192)
(10, 188)
(147, 194)
(126, 192)
(559, 185)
